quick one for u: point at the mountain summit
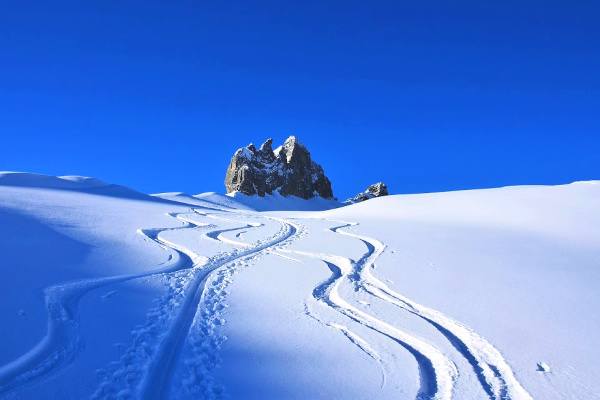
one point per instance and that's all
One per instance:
(288, 169)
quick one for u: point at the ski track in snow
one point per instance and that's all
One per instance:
(203, 342)
(493, 372)
(62, 343)
(174, 353)
(187, 317)
(437, 372)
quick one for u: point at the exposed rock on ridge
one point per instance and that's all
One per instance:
(376, 190)
(289, 170)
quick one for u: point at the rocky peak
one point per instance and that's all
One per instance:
(289, 170)
(375, 190)
(296, 154)
(378, 189)
(266, 151)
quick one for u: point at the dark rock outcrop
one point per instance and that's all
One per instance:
(289, 170)
(376, 190)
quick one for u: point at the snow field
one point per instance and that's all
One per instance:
(111, 294)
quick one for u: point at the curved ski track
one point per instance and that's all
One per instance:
(437, 372)
(62, 343)
(148, 368)
(188, 316)
(493, 372)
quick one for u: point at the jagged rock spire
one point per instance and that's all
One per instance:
(290, 171)
(266, 151)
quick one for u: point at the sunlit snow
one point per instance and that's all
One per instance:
(108, 293)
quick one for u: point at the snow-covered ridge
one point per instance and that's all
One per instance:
(8, 178)
(75, 183)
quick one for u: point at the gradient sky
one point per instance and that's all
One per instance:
(422, 95)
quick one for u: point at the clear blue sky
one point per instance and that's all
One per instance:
(423, 95)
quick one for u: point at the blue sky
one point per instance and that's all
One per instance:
(423, 95)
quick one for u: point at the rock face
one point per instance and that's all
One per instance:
(376, 190)
(289, 170)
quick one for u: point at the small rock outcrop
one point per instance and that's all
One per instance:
(287, 169)
(376, 190)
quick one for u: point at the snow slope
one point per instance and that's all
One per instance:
(241, 201)
(108, 293)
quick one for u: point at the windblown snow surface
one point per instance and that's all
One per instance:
(107, 293)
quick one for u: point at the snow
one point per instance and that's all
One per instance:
(245, 152)
(276, 202)
(484, 294)
(288, 147)
(45, 181)
(241, 201)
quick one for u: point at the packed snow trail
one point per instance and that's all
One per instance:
(62, 344)
(148, 367)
